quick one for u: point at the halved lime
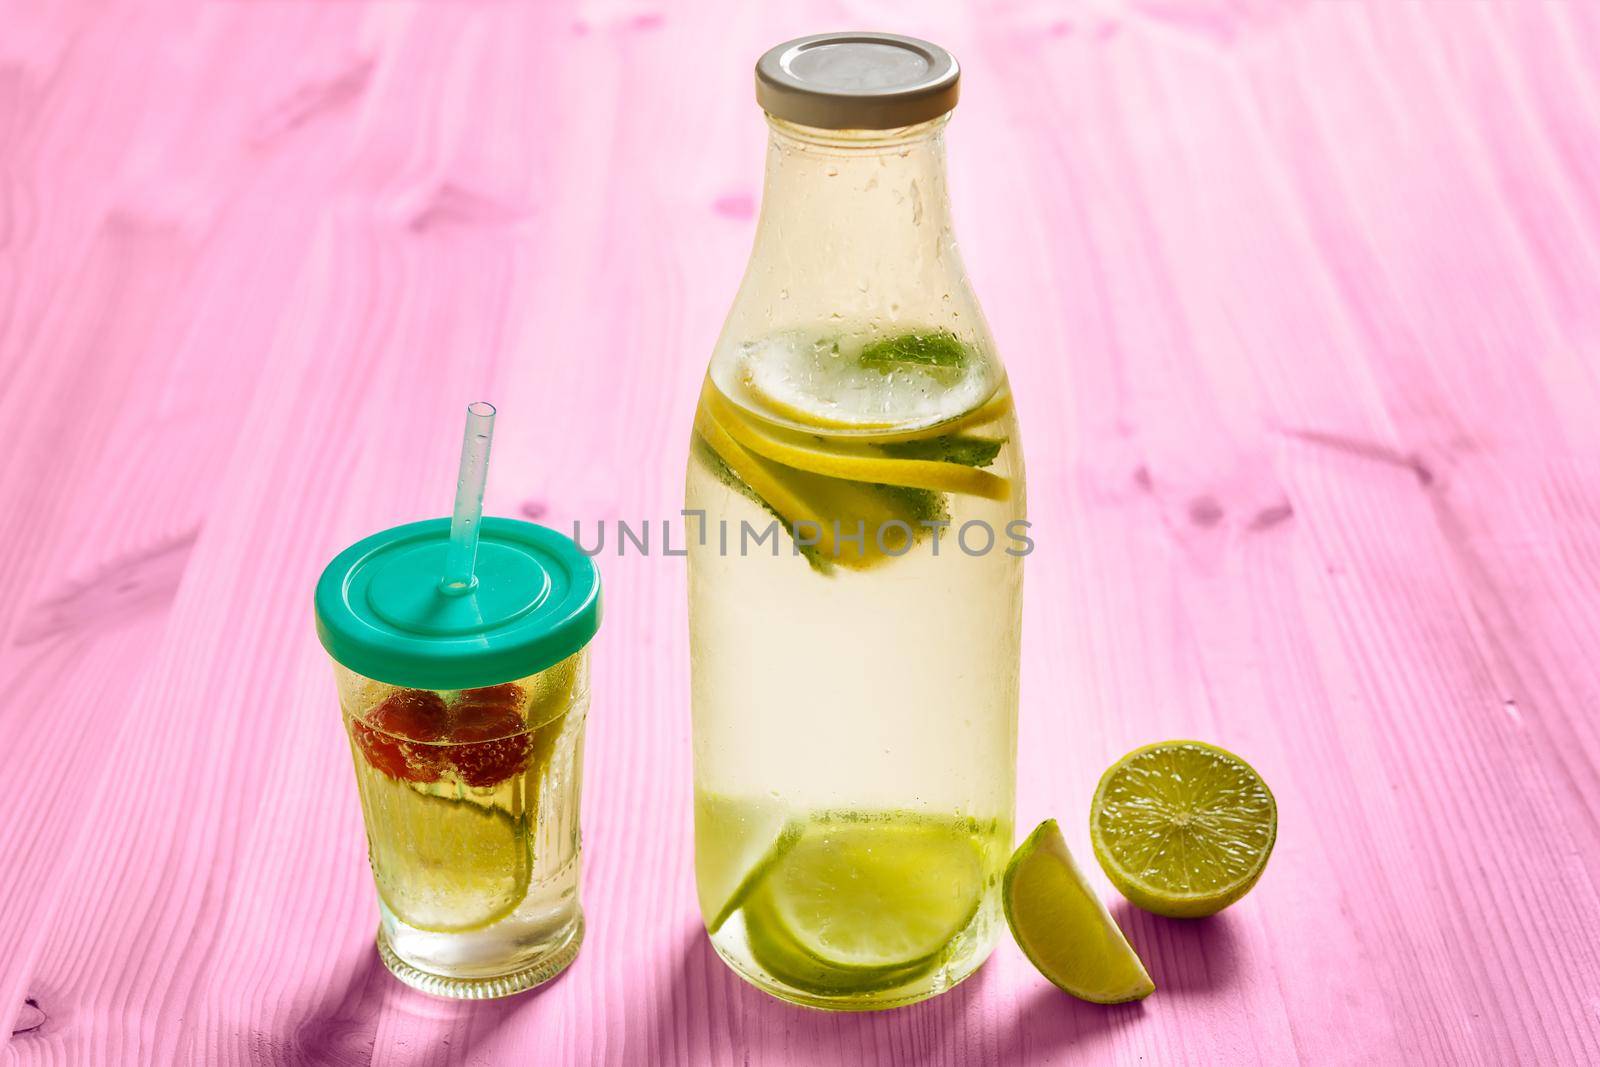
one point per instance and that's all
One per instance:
(1183, 828)
(860, 903)
(1064, 929)
(443, 864)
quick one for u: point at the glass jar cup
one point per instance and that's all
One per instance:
(470, 800)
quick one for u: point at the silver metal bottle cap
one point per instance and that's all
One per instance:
(857, 81)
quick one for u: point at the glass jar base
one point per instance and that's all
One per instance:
(941, 981)
(541, 970)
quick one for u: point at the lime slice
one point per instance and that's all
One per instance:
(1183, 828)
(1064, 929)
(443, 864)
(791, 962)
(736, 844)
(865, 903)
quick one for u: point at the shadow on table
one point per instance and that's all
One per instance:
(1188, 956)
(715, 1017)
(342, 1031)
(344, 1025)
(1047, 1021)
(710, 1015)
(1185, 957)
(706, 1014)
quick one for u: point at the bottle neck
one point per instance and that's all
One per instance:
(856, 216)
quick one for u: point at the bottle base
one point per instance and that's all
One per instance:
(534, 973)
(940, 981)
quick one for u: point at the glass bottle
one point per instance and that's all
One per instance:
(856, 534)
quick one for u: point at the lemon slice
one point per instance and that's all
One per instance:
(882, 432)
(854, 463)
(1064, 929)
(997, 406)
(800, 417)
(1183, 828)
(865, 903)
(854, 383)
(442, 864)
(813, 504)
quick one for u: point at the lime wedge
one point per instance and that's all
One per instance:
(443, 864)
(736, 843)
(1064, 929)
(865, 903)
(1183, 828)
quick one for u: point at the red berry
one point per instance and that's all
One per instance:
(414, 714)
(381, 750)
(404, 717)
(489, 744)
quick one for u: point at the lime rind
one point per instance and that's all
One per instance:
(737, 840)
(787, 838)
(796, 965)
(1183, 828)
(1063, 927)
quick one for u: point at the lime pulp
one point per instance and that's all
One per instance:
(1062, 926)
(1183, 828)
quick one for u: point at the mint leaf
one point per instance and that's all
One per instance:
(951, 448)
(941, 349)
(915, 506)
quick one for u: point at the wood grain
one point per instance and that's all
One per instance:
(1301, 302)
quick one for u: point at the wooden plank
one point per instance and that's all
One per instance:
(123, 366)
(1299, 302)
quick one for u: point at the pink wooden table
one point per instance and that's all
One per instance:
(1301, 302)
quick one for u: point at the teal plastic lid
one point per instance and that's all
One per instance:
(381, 613)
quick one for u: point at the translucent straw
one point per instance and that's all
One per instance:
(463, 552)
